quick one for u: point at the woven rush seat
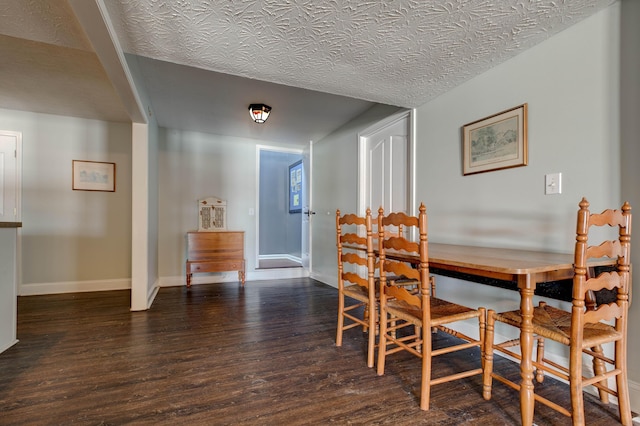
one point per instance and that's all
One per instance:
(356, 292)
(442, 311)
(555, 324)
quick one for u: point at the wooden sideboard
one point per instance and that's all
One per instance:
(215, 251)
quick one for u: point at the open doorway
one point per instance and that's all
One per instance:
(279, 213)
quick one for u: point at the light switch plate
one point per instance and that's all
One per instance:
(553, 183)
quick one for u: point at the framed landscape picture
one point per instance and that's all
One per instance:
(93, 176)
(496, 142)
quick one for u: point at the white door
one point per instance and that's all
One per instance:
(307, 212)
(385, 169)
(10, 144)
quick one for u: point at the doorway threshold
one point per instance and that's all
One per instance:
(278, 263)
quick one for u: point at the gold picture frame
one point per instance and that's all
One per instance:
(496, 142)
(93, 176)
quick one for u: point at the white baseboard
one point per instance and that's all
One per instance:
(280, 256)
(634, 396)
(329, 280)
(7, 346)
(153, 292)
(33, 289)
(229, 277)
(277, 274)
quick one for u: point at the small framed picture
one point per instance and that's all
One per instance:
(93, 176)
(496, 142)
(295, 187)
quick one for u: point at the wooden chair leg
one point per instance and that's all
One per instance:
(540, 359)
(425, 382)
(575, 387)
(382, 344)
(365, 317)
(622, 383)
(340, 321)
(599, 368)
(482, 333)
(488, 355)
(371, 347)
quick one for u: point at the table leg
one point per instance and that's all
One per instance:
(526, 286)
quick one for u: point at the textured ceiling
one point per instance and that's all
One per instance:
(203, 61)
(402, 52)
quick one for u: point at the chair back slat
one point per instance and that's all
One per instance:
(353, 258)
(403, 295)
(401, 244)
(355, 279)
(354, 239)
(604, 312)
(606, 249)
(399, 219)
(606, 280)
(401, 269)
(609, 217)
(351, 219)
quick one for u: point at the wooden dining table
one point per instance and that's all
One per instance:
(526, 268)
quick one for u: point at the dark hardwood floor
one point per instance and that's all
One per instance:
(219, 354)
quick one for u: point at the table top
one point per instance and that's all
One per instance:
(497, 260)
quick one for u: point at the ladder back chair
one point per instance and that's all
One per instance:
(356, 283)
(400, 280)
(406, 318)
(587, 326)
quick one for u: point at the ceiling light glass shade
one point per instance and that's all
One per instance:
(259, 112)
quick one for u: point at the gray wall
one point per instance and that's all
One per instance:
(280, 231)
(72, 240)
(630, 139)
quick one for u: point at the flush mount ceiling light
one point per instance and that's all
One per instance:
(259, 112)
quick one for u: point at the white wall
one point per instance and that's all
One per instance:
(72, 240)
